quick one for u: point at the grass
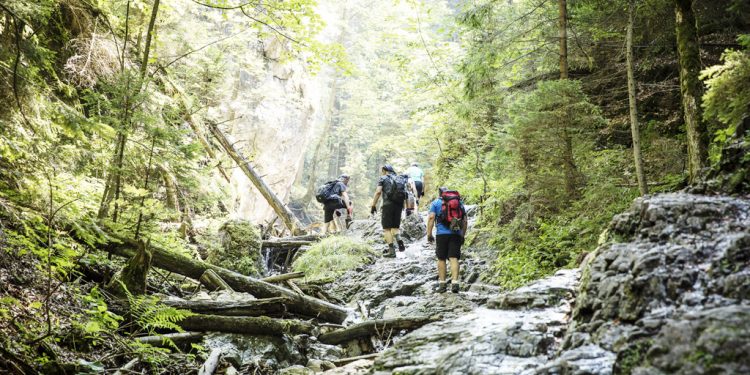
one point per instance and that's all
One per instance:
(332, 257)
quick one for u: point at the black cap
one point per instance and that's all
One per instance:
(344, 177)
(389, 168)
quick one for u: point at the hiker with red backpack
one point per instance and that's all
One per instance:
(449, 214)
(392, 188)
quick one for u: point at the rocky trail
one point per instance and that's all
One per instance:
(665, 292)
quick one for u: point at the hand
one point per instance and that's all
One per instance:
(351, 211)
(373, 210)
(430, 238)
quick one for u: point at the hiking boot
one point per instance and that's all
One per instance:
(454, 287)
(390, 253)
(401, 246)
(441, 288)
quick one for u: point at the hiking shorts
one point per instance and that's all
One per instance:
(448, 246)
(329, 208)
(391, 215)
(420, 189)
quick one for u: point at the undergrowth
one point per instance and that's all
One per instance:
(333, 256)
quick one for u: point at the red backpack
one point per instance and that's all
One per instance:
(452, 214)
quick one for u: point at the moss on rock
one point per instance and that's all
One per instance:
(240, 248)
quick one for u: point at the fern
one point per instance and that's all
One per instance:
(149, 315)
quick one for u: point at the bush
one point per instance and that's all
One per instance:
(333, 256)
(240, 248)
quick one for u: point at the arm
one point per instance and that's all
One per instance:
(465, 227)
(430, 225)
(347, 202)
(375, 198)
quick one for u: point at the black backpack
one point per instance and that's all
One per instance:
(394, 188)
(324, 192)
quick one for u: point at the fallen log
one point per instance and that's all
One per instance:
(343, 361)
(127, 367)
(261, 325)
(283, 277)
(177, 338)
(285, 244)
(212, 281)
(274, 307)
(180, 264)
(372, 327)
(212, 362)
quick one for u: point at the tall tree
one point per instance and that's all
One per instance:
(688, 52)
(642, 185)
(563, 39)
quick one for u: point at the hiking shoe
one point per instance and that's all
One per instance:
(401, 246)
(454, 287)
(441, 288)
(390, 253)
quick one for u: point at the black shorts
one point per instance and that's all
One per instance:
(329, 208)
(420, 189)
(448, 246)
(391, 215)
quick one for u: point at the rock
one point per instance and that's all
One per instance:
(359, 367)
(413, 227)
(669, 297)
(319, 366)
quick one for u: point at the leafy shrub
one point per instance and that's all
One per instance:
(332, 257)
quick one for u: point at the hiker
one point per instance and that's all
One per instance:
(417, 175)
(393, 189)
(411, 194)
(336, 204)
(449, 214)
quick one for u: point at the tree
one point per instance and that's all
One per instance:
(691, 89)
(638, 159)
(563, 39)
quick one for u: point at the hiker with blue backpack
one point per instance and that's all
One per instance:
(336, 204)
(448, 213)
(392, 188)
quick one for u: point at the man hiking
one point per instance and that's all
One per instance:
(393, 189)
(336, 204)
(411, 195)
(417, 175)
(449, 214)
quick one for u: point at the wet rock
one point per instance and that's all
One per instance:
(670, 295)
(319, 366)
(359, 367)
(296, 370)
(584, 360)
(546, 292)
(263, 352)
(413, 228)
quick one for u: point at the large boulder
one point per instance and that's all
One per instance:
(240, 248)
(668, 293)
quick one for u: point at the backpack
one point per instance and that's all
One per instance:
(394, 188)
(324, 192)
(452, 213)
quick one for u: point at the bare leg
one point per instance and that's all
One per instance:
(388, 235)
(441, 270)
(454, 269)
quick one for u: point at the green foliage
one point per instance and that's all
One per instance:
(97, 319)
(149, 315)
(333, 256)
(240, 248)
(727, 98)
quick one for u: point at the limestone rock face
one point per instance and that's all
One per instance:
(669, 293)
(273, 107)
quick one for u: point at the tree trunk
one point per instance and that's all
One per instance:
(212, 281)
(177, 263)
(563, 39)
(273, 307)
(149, 35)
(261, 325)
(196, 125)
(688, 52)
(290, 221)
(178, 338)
(212, 362)
(132, 277)
(284, 277)
(636, 134)
(372, 327)
(170, 185)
